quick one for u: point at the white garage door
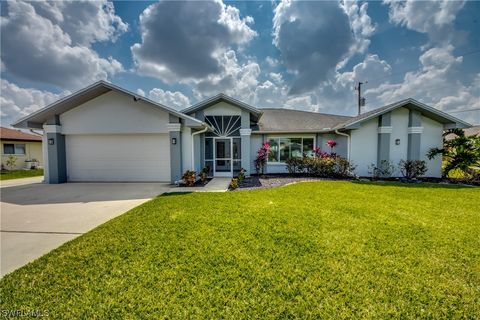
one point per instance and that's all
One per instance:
(133, 157)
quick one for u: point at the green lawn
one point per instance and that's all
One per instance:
(18, 174)
(310, 250)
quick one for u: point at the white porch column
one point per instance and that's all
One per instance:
(245, 138)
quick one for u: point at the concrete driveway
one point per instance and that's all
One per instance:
(37, 217)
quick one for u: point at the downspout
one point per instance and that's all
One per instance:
(193, 145)
(348, 142)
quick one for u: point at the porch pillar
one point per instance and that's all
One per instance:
(174, 130)
(415, 131)
(56, 162)
(245, 133)
(384, 132)
(245, 138)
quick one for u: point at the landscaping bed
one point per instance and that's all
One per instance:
(271, 181)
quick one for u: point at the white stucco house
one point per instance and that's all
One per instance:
(106, 133)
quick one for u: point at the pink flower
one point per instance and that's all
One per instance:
(331, 143)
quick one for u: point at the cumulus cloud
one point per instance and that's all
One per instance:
(192, 48)
(362, 27)
(236, 79)
(176, 100)
(309, 49)
(84, 21)
(431, 17)
(16, 102)
(46, 53)
(433, 84)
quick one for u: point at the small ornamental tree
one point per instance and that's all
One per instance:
(262, 156)
(459, 153)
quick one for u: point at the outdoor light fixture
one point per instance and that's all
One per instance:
(174, 140)
(51, 141)
(397, 142)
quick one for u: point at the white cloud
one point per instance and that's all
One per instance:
(84, 21)
(16, 102)
(272, 62)
(193, 48)
(46, 53)
(433, 84)
(431, 17)
(237, 79)
(362, 26)
(176, 100)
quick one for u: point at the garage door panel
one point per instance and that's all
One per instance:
(118, 157)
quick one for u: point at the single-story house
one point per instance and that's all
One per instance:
(106, 133)
(25, 147)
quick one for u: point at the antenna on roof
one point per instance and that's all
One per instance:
(361, 100)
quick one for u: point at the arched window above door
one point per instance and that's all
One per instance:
(224, 126)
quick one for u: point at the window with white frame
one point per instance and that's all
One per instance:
(10, 148)
(282, 148)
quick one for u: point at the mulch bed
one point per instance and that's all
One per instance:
(272, 181)
(198, 183)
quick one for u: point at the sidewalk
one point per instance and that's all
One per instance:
(215, 185)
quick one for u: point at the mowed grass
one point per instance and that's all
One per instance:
(18, 174)
(310, 250)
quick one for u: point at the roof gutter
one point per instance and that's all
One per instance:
(193, 144)
(348, 141)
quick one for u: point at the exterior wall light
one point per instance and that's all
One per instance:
(397, 142)
(174, 140)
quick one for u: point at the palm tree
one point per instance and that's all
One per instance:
(462, 153)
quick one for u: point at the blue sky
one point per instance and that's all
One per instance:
(302, 55)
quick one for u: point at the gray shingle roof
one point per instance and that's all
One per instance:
(288, 120)
(431, 112)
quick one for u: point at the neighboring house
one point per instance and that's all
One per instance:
(472, 131)
(23, 146)
(106, 133)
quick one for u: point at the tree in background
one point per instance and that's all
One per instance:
(460, 153)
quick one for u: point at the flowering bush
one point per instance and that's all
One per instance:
(262, 156)
(331, 143)
(323, 154)
(189, 178)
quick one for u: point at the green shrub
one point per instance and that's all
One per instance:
(234, 183)
(241, 175)
(412, 169)
(11, 161)
(384, 169)
(295, 165)
(204, 174)
(331, 166)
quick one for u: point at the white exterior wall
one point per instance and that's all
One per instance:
(222, 109)
(431, 138)
(364, 146)
(114, 112)
(399, 123)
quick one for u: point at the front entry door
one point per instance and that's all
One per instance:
(223, 157)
